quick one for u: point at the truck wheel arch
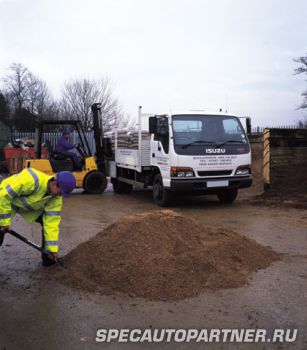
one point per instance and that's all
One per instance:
(161, 196)
(155, 172)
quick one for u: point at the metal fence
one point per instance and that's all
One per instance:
(74, 138)
(54, 136)
(260, 129)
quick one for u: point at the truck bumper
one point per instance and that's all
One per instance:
(199, 186)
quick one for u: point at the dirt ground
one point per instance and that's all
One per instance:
(38, 313)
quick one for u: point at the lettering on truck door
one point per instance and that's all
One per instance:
(160, 147)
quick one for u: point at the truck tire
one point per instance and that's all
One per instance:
(228, 196)
(161, 195)
(120, 187)
(95, 182)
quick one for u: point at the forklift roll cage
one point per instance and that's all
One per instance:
(84, 149)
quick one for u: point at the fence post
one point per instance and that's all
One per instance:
(266, 159)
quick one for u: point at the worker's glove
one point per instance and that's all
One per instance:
(5, 229)
(53, 256)
(50, 259)
(1, 237)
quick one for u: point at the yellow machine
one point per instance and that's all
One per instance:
(90, 167)
(92, 176)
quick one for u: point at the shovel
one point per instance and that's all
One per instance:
(34, 245)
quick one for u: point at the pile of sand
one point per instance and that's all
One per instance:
(161, 255)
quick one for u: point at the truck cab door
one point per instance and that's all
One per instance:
(160, 148)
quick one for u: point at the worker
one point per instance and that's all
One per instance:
(63, 147)
(37, 197)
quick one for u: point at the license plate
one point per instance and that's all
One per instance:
(224, 183)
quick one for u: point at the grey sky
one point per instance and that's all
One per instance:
(163, 54)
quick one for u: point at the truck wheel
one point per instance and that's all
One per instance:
(120, 187)
(228, 196)
(161, 196)
(95, 182)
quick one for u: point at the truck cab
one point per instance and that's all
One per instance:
(201, 153)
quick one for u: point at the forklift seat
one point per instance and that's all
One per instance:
(58, 162)
(52, 153)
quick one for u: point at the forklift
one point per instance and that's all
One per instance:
(92, 177)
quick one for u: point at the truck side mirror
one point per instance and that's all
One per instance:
(248, 126)
(153, 125)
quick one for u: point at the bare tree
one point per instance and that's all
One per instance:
(80, 94)
(4, 109)
(29, 98)
(302, 69)
(26, 89)
(28, 95)
(17, 84)
(39, 98)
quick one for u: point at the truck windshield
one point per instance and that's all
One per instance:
(199, 131)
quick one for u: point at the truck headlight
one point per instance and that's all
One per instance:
(182, 172)
(243, 170)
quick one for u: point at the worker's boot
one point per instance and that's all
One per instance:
(46, 261)
(1, 237)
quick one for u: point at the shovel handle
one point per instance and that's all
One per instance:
(32, 244)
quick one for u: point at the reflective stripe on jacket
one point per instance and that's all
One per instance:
(25, 193)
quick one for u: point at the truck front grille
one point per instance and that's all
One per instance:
(214, 173)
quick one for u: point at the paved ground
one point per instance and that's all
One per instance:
(37, 313)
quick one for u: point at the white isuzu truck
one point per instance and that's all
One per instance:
(186, 152)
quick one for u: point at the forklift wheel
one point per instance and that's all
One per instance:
(95, 182)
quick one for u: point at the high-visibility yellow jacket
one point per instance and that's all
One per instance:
(26, 194)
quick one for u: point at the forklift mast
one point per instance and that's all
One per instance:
(98, 136)
(38, 139)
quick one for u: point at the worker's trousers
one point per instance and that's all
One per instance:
(74, 158)
(45, 259)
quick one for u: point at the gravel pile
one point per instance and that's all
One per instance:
(161, 255)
